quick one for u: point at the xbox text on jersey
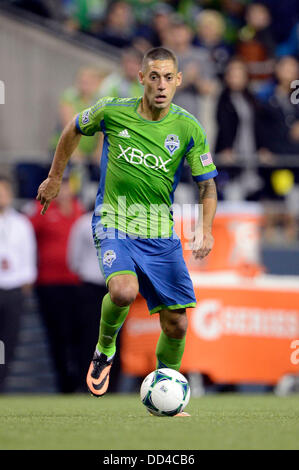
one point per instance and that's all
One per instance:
(137, 157)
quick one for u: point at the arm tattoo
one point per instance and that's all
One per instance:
(207, 190)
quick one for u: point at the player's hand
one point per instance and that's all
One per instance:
(47, 191)
(202, 243)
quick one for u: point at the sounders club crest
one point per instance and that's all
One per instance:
(109, 257)
(172, 143)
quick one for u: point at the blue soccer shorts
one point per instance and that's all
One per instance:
(163, 278)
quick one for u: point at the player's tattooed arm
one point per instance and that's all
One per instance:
(203, 239)
(67, 143)
(207, 190)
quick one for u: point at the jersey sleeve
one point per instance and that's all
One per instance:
(88, 122)
(199, 156)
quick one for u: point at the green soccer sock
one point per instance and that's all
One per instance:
(112, 319)
(169, 351)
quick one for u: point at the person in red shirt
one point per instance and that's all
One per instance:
(56, 286)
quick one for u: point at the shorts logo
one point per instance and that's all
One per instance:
(172, 143)
(109, 257)
(85, 117)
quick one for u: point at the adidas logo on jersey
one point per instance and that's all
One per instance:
(124, 133)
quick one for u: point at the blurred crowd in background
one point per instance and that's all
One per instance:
(239, 58)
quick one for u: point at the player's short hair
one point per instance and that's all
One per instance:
(159, 53)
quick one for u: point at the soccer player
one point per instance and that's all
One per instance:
(145, 142)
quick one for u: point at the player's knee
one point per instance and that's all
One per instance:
(124, 297)
(123, 289)
(176, 326)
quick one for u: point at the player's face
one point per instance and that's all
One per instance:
(160, 80)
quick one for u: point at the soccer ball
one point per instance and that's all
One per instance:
(165, 392)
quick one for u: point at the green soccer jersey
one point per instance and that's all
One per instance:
(141, 163)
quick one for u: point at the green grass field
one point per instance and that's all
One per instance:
(121, 422)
